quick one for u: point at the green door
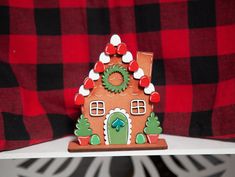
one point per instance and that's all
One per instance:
(117, 128)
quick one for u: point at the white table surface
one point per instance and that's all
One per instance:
(177, 145)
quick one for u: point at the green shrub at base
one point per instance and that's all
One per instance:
(83, 127)
(95, 139)
(140, 138)
(152, 125)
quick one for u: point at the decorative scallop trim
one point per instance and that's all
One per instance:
(144, 81)
(127, 58)
(104, 58)
(121, 49)
(83, 91)
(93, 75)
(106, 125)
(148, 90)
(78, 99)
(138, 72)
(115, 40)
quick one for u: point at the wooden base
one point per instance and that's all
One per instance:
(75, 147)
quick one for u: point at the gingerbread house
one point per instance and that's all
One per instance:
(116, 101)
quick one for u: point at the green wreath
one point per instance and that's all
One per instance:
(111, 70)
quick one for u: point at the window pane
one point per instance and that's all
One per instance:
(100, 105)
(134, 103)
(100, 111)
(97, 108)
(134, 110)
(141, 103)
(93, 104)
(93, 112)
(142, 110)
(138, 107)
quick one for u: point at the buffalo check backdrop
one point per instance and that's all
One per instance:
(48, 47)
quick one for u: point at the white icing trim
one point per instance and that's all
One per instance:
(135, 94)
(115, 40)
(148, 90)
(97, 108)
(106, 125)
(138, 106)
(110, 95)
(98, 95)
(83, 91)
(104, 58)
(127, 58)
(138, 74)
(93, 75)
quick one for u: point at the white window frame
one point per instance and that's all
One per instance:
(97, 108)
(138, 106)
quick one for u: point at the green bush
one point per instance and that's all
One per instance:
(152, 125)
(140, 138)
(83, 127)
(95, 139)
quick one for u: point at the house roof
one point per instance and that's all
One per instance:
(116, 47)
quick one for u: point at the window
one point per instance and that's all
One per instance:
(97, 108)
(138, 107)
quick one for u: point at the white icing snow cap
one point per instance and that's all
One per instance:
(104, 58)
(115, 40)
(127, 58)
(83, 91)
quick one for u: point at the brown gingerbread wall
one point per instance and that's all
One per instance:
(120, 100)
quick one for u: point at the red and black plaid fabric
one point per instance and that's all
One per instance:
(48, 47)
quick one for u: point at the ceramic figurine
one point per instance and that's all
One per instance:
(116, 101)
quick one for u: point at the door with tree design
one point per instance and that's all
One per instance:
(117, 128)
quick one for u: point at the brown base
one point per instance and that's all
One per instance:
(75, 147)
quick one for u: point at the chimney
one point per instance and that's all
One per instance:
(145, 61)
